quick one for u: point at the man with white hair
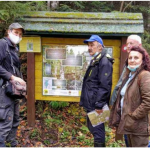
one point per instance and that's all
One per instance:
(132, 40)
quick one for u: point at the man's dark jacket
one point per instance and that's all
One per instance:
(6, 69)
(97, 82)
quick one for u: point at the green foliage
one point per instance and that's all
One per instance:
(71, 6)
(85, 6)
(116, 144)
(38, 5)
(84, 129)
(55, 121)
(35, 133)
(40, 105)
(46, 142)
(146, 41)
(64, 135)
(110, 138)
(58, 105)
(10, 10)
(81, 138)
(98, 6)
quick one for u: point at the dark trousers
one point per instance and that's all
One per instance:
(126, 140)
(98, 132)
(9, 125)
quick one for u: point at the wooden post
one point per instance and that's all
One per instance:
(30, 89)
(123, 55)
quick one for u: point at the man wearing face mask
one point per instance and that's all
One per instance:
(9, 111)
(96, 86)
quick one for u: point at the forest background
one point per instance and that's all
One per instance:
(63, 124)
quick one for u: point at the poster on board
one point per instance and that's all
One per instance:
(64, 67)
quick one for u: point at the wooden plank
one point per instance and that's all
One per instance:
(116, 52)
(112, 42)
(38, 73)
(117, 61)
(38, 57)
(30, 44)
(47, 41)
(38, 65)
(39, 96)
(31, 89)
(123, 55)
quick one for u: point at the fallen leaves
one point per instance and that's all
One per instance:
(65, 127)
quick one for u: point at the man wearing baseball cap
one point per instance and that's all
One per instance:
(96, 86)
(9, 107)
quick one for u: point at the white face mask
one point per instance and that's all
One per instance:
(14, 39)
(95, 54)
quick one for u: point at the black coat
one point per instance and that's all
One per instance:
(97, 83)
(6, 70)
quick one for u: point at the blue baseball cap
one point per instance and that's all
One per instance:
(94, 38)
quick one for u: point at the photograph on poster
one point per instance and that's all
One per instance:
(58, 84)
(57, 53)
(47, 83)
(48, 69)
(72, 60)
(30, 45)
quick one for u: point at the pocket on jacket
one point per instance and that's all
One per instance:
(3, 113)
(92, 97)
(130, 123)
(5, 101)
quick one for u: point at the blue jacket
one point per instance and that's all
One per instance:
(97, 83)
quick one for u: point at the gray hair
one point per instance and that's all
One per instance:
(135, 37)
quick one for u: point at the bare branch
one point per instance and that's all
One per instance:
(127, 6)
(121, 7)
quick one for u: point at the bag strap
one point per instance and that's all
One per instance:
(11, 59)
(1, 82)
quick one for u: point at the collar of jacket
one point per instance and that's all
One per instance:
(97, 58)
(9, 42)
(136, 72)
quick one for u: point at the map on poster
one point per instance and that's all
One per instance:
(64, 67)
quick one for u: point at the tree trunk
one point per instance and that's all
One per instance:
(121, 7)
(48, 5)
(54, 5)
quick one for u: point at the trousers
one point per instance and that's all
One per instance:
(138, 140)
(98, 132)
(9, 125)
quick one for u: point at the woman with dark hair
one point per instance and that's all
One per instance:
(130, 112)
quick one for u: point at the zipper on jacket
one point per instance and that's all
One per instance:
(90, 73)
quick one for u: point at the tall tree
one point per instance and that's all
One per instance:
(9, 10)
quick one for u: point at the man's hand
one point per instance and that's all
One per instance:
(99, 111)
(17, 79)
